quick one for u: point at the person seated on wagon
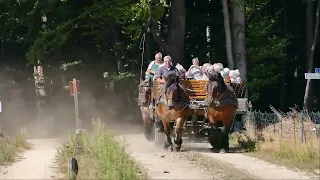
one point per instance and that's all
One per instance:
(153, 67)
(194, 70)
(149, 77)
(165, 70)
(201, 75)
(203, 70)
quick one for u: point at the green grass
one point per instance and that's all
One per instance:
(286, 152)
(11, 147)
(103, 156)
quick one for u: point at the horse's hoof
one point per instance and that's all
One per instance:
(222, 151)
(168, 148)
(177, 149)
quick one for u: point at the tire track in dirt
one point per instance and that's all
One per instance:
(37, 163)
(254, 166)
(161, 164)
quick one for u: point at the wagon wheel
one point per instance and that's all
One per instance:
(159, 138)
(148, 131)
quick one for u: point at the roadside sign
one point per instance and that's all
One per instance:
(0, 107)
(71, 88)
(312, 75)
(317, 70)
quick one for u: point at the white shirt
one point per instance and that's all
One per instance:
(194, 72)
(150, 65)
(201, 77)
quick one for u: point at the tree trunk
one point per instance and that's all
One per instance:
(175, 44)
(146, 53)
(238, 33)
(39, 82)
(177, 31)
(227, 33)
(284, 61)
(308, 95)
(116, 48)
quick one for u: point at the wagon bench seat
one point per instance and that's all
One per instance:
(197, 89)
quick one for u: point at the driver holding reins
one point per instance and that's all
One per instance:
(166, 70)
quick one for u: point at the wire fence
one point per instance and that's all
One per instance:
(266, 119)
(293, 125)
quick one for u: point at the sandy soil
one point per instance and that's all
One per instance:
(161, 164)
(196, 161)
(37, 163)
(257, 167)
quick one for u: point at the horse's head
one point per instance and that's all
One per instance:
(215, 84)
(213, 74)
(145, 92)
(172, 95)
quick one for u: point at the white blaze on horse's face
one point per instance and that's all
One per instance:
(170, 99)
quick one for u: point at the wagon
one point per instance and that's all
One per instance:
(196, 127)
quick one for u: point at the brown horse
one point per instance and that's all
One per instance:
(144, 103)
(221, 110)
(172, 105)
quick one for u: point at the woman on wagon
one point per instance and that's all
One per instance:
(153, 67)
(194, 70)
(197, 72)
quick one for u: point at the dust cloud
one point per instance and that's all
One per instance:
(56, 116)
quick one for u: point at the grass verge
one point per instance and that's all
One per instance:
(289, 143)
(102, 157)
(11, 147)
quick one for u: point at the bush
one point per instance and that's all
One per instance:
(102, 157)
(10, 147)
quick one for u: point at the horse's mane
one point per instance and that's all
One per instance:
(215, 86)
(214, 76)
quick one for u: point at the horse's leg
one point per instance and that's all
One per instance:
(224, 139)
(167, 132)
(215, 137)
(228, 119)
(178, 131)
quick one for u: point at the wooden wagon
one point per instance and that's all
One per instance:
(196, 125)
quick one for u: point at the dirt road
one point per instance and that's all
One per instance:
(254, 166)
(160, 164)
(194, 162)
(197, 162)
(37, 163)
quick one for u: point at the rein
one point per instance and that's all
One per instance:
(177, 104)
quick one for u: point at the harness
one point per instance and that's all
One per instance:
(217, 102)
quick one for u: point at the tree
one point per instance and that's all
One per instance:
(308, 96)
(266, 45)
(227, 33)
(238, 33)
(174, 43)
